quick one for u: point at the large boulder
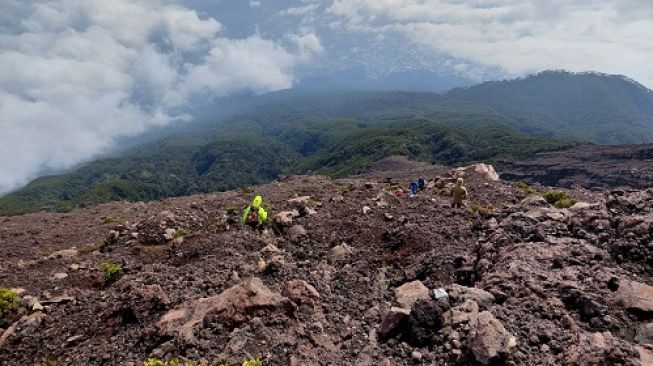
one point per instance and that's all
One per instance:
(408, 293)
(234, 306)
(424, 322)
(487, 171)
(635, 296)
(488, 339)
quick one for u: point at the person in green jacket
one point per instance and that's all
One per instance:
(255, 215)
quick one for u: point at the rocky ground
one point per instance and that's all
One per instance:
(597, 167)
(346, 276)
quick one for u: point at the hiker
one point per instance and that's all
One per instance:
(399, 192)
(421, 183)
(459, 193)
(255, 215)
(413, 188)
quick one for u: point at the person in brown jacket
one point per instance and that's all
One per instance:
(459, 193)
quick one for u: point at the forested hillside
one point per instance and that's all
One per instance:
(338, 133)
(283, 138)
(599, 108)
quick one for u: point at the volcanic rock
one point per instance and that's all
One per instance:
(393, 322)
(635, 296)
(488, 339)
(300, 292)
(407, 294)
(462, 293)
(231, 308)
(296, 232)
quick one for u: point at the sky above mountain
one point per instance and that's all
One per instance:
(77, 76)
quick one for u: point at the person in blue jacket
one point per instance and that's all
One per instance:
(413, 188)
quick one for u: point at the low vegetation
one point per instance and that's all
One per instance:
(111, 271)
(337, 140)
(559, 198)
(176, 362)
(526, 189)
(181, 232)
(8, 301)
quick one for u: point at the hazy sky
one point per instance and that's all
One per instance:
(76, 76)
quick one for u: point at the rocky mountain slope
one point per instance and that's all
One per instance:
(346, 277)
(588, 166)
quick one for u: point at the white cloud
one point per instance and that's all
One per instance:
(612, 36)
(254, 3)
(78, 75)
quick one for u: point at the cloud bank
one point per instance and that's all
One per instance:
(515, 36)
(77, 75)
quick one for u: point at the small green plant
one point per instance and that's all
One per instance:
(565, 203)
(174, 362)
(111, 271)
(89, 249)
(253, 362)
(342, 189)
(482, 210)
(110, 220)
(33, 232)
(8, 301)
(559, 199)
(50, 362)
(526, 189)
(180, 233)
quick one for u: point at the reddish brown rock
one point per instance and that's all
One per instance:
(232, 307)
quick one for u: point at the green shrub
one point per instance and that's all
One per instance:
(110, 220)
(176, 362)
(180, 233)
(559, 199)
(565, 203)
(480, 210)
(173, 362)
(253, 362)
(8, 301)
(554, 196)
(111, 271)
(526, 189)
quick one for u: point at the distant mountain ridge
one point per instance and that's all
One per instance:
(589, 106)
(339, 132)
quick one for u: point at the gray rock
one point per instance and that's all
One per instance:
(460, 293)
(169, 234)
(340, 251)
(60, 276)
(283, 218)
(66, 254)
(296, 232)
(645, 334)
